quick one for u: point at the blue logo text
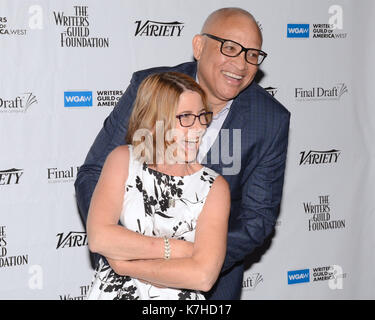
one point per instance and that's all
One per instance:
(298, 276)
(78, 98)
(298, 30)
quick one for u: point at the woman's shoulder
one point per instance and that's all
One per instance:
(219, 192)
(118, 160)
(221, 183)
(120, 153)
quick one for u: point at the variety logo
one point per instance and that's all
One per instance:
(78, 98)
(159, 29)
(10, 176)
(298, 30)
(298, 276)
(320, 215)
(19, 104)
(77, 29)
(271, 90)
(319, 157)
(72, 239)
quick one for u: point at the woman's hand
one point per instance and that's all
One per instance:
(126, 267)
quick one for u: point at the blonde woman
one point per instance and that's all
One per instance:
(174, 212)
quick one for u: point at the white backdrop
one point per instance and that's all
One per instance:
(54, 54)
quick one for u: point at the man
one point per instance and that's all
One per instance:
(228, 55)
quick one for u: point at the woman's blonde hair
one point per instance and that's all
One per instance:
(157, 100)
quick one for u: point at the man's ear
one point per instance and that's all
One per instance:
(197, 46)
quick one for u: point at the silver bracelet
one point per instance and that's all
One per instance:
(167, 248)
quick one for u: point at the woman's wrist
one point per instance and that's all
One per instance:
(180, 248)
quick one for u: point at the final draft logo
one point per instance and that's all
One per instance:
(20, 103)
(158, 29)
(321, 92)
(57, 175)
(252, 281)
(320, 215)
(77, 30)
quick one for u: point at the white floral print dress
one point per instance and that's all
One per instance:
(155, 204)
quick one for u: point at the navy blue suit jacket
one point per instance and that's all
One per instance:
(255, 191)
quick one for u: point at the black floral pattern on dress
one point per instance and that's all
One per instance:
(206, 177)
(116, 283)
(165, 188)
(187, 295)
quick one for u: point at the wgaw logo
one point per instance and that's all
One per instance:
(78, 99)
(298, 30)
(333, 274)
(298, 276)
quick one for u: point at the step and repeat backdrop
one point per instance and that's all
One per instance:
(65, 64)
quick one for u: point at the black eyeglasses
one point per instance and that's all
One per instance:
(231, 48)
(188, 119)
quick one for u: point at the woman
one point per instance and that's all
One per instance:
(174, 211)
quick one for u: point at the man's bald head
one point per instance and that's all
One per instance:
(224, 76)
(218, 16)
